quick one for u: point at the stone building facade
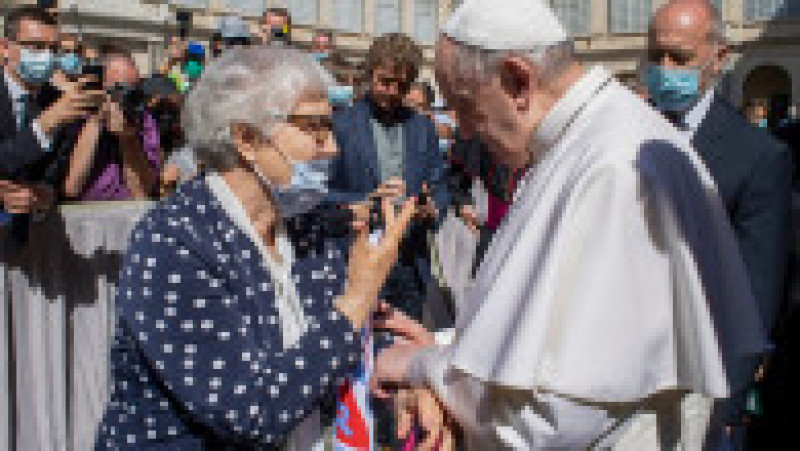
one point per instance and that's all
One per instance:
(765, 65)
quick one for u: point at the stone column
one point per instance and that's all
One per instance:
(369, 17)
(326, 13)
(407, 17)
(598, 24)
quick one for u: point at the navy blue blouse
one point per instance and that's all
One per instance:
(198, 361)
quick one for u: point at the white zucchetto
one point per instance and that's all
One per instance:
(505, 24)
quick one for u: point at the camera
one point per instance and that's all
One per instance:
(131, 99)
(96, 72)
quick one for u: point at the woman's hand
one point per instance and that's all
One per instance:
(370, 263)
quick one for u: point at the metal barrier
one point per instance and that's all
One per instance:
(56, 322)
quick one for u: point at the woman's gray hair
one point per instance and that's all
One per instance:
(474, 63)
(258, 86)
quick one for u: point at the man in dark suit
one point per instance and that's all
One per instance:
(753, 170)
(389, 151)
(32, 111)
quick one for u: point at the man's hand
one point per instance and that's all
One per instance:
(75, 103)
(20, 198)
(419, 406)
(470, 217)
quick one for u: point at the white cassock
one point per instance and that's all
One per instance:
(611, 298)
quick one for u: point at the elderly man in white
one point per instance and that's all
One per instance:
(613, 297)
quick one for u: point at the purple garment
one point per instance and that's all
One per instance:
(106, 181)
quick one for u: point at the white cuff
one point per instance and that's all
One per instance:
(418, 369)
(445, 337)
(44, 140)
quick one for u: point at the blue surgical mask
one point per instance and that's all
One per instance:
(36, 66)
(320, 56)
(763, 123)
(673, 90)
(444, 144)
(71, 63)
(341, 95)
(307, 188)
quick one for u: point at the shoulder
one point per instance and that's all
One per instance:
(728, 124)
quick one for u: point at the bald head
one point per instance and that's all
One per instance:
(697, 17)
(689, 35)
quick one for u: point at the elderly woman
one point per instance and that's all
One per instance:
(236, 315)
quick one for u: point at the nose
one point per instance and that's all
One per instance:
(666, 60)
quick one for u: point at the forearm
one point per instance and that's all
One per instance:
(82, 158)
(140, 177)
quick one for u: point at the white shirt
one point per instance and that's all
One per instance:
(694, 117)
(597, 293)
(17, 92)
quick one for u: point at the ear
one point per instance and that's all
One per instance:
(721, 56)
(243, 138)
(515, 80)
(4, 44)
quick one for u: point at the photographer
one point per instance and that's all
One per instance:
(33, 112)
(117, 154)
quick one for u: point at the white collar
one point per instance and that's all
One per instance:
(564, 111)
(15, 89)
(694, 117)
(290, 310)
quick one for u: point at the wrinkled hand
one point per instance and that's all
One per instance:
(392, 366)
(420, 407)
(76, 102)
(370, 264)
(19, 198)
(402, 326)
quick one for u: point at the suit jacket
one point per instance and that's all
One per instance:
(22, 158)
(753, 172)
(355, 171)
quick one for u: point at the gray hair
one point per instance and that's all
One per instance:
(479, 64)
(257, 86)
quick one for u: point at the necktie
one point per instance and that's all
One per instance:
(23, 111)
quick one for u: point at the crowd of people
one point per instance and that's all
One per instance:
(631, 248)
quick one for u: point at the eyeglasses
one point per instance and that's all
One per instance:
(311, 123)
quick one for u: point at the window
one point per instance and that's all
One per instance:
(304, 12)
(387, 16)
(629, 16)
(249, 7)
(770, 9)
(426, 13)
(574, 14)
(348, 15)
(191, 4)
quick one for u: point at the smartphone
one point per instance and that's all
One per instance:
(96, 72)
